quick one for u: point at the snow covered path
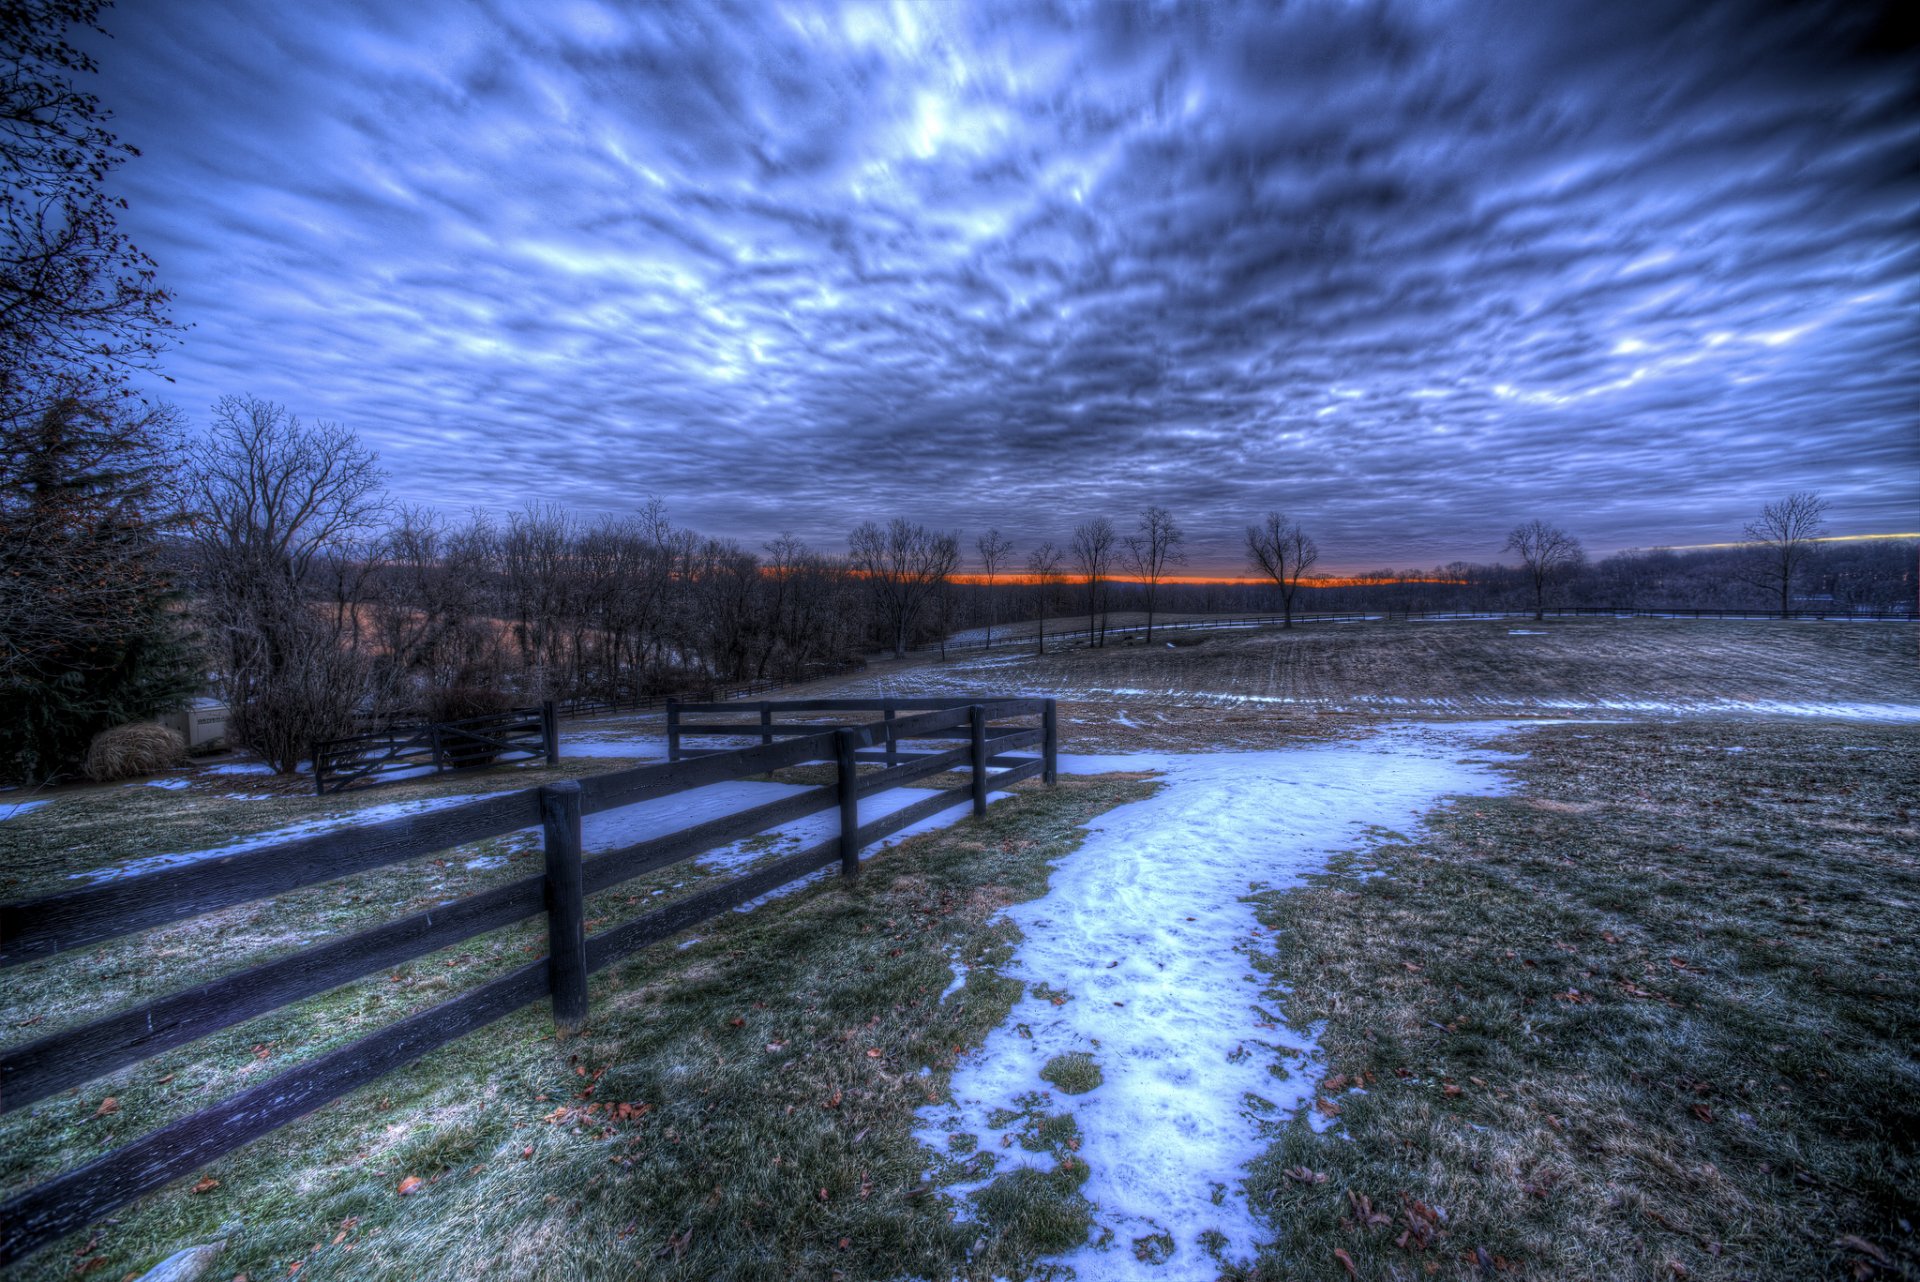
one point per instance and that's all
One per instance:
(1145, 927)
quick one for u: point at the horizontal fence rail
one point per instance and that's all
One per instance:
(1011, 641)
(41, 928)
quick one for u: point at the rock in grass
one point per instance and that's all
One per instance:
(184, 1266)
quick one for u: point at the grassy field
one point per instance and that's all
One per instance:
(1650, 1016)
(1653, 1016)
(1476, 667)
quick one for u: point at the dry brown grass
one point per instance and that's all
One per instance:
(134, 751)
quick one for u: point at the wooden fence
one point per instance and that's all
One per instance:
(432, 747)
(1010, 641)
(591, 705)
(80, 918)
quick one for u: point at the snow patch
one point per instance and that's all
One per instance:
(10, 810)
(1145, 927)
(366, 815)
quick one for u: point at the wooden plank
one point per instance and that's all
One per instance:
(1035, 766)
(887, 825)
(1050, 741)
(997, 708)
(642, 783)
(622, 941)
(847, 783)
(565, 895)
(977, 759)
(77, 1197)
(612, 868)
(75, 918)
(928, 763)
(750, 730)
(37, 1069)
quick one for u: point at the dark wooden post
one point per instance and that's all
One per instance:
(1050, 743)
(439, 751)
(566, 906)
(550, 731)
(893, 744)
(843, 748)
(319, 776)
(977, 720)
(766, 722)
(673, 729)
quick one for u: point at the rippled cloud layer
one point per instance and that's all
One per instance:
(1410, 272)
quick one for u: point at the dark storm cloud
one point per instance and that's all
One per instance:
(1412, 272)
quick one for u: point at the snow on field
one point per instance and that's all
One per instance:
(11, 809)
(306, 828)
(638, 747)
(1499, 704)
(1145, 927)
(241, 768)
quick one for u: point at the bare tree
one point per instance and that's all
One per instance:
(1158, 544)
(993, 549)
(903, 567)
(1043, 567)
(79, 304)
(1284, 552)
(1780, 542)
(1548, 553)
(1092, 553)
(274, 501)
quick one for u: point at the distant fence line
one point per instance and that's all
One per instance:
(1836, 613)
(76, 919)
(435, 747)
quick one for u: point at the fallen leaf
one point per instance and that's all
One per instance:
(410, 1184)
(1860, 1244)
(1346, 1261)
(207, 1185)
(1305, 1175)
(873, 1053)
(107, 1105)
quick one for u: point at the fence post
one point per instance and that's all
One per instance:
(550, 731)
(893, 744)
(673, 729)
(843, 748)
(977, 721)
(566, 905)
(1050, 744)
(766, 722)
(439, 753)
(319, 776)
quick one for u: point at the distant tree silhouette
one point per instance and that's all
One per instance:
(1157, 544)
(1779, 543)
(1043, 566)
(1284, 552)
(1092, 552)
(993, 549)
(1547, 553)
(903, 567)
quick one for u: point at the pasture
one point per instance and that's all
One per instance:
(1626, 990)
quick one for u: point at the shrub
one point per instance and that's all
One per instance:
(128, 752)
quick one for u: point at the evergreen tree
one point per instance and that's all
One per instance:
(91, 635)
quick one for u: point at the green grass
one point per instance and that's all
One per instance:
(1652, 1017)
(741, 1107)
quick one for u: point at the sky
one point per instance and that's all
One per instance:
(1409, 273)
